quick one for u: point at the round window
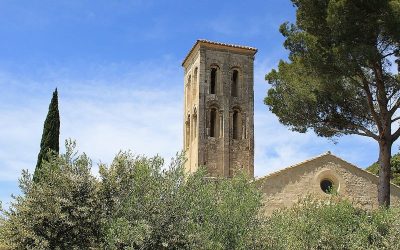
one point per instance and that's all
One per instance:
(327, 186)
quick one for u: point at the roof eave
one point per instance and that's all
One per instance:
(204, 41)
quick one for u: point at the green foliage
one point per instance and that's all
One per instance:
(59, 212)
(339, 78)
(395, 166)
(50, 137)
(136, 204)
(3, 239)
(338, 50)
(166, 210)
(336, 224)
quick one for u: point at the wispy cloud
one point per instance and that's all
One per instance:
(108, 108)
(134, 110)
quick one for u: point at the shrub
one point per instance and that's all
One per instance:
(152, 208)
(138, 203)
(333, 224)
(61, 211)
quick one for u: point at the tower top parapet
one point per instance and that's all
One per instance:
(218, 45)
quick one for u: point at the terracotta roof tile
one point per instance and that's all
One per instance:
(227, 44)
(218, 43)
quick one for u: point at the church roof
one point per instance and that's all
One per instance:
(324, 155)
(218, 44)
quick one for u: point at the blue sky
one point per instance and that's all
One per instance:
(117, 65)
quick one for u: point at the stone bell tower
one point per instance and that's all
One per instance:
(218, 126)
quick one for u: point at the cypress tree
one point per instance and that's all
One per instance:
(50, 136)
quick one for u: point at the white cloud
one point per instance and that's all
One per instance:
(134, 110)
(138, 107)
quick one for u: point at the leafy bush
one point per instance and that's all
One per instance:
(336, 224)
(61, 211)
(135, 204)
(151, 208)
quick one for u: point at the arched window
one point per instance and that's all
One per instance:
(195, 84)
(235, 125)
(188, 89)
(213, 82)
(195, 75)
(213, 122)
(235, 83)
(187, 136)
(194, 124)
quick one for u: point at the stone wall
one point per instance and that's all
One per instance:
(284, 188)
(222, 152)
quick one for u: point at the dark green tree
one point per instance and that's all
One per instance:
(395, 169)
(339, 79)
(51, 133)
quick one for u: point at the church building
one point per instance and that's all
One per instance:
(218, 133)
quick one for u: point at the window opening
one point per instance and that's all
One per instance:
(188, 132)
(213, 80)
(235, 125)
(326, 186)
(235, 83)
(213, 119)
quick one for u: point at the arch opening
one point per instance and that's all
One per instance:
(235, 83)
(213, 122)
(213, 82)
(235, 125)
(187, 136)
(195, 84)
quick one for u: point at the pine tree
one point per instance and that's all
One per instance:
(50, 136)
(338, 79)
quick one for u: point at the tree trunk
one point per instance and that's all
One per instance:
(385, 154)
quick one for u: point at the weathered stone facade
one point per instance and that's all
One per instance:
(285, 187)
(219, 108)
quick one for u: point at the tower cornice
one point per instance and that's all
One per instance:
(219, 46)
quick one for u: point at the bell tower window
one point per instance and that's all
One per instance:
(235, 125)
(195, 84)
(213, 119)
(235, 83)
(213, 83)
(187, 136)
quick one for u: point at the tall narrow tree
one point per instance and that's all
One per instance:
(51, 132)
(340, 77)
